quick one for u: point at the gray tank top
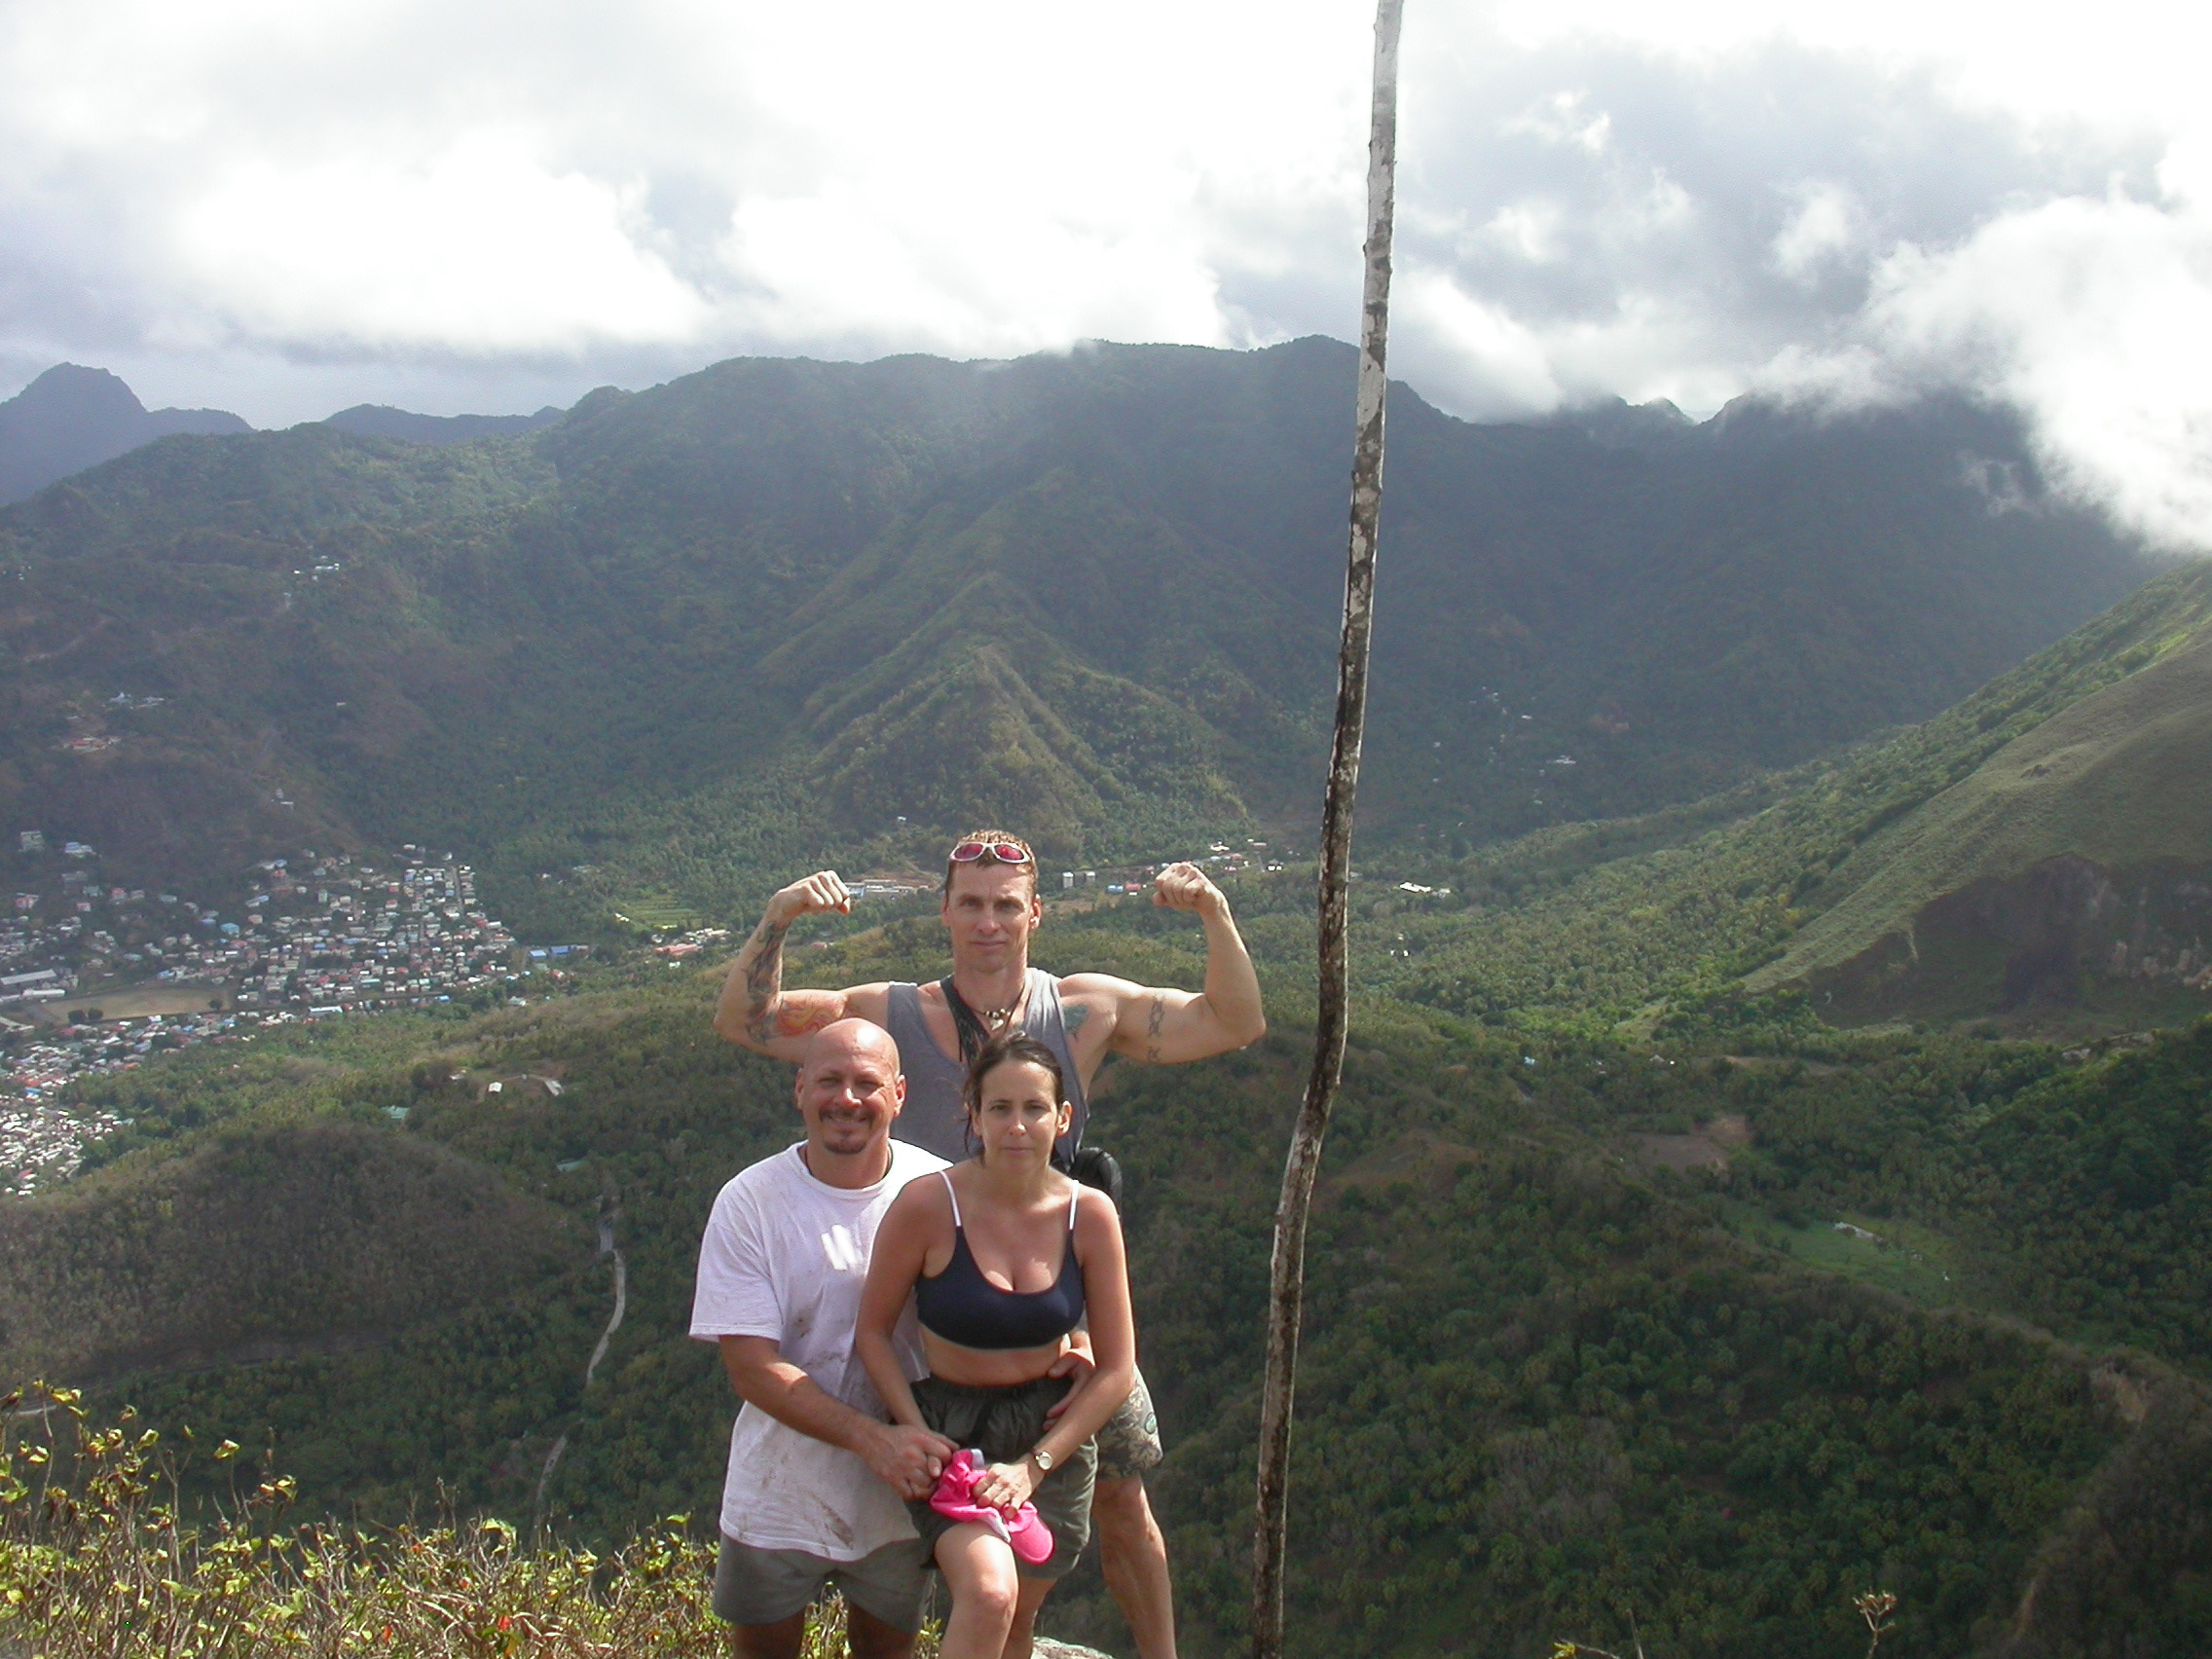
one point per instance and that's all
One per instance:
(933, 1118)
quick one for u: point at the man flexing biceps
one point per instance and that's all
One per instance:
(990, 907)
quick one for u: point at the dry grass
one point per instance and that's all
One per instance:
(97, 1562)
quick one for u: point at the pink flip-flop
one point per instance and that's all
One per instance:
(1023, 1529)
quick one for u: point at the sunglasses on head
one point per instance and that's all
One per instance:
(1004, 852)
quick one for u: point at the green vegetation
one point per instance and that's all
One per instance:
(2073, 1194)
(259, 1238)
(657, 912)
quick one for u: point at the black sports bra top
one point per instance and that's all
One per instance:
(962, 1306)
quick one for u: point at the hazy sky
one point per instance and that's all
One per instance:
(284, 208)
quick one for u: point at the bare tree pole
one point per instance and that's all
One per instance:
(1287, 1288)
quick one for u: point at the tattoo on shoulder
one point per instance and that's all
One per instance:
(1073, 1016)
(795, 1018)
(1152, 1027)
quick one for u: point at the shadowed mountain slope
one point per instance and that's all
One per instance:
(300, 1237)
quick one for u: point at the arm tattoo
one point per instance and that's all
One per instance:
(1072, 1017)
(1152, 1028)
(795, 1018)
(764, 980)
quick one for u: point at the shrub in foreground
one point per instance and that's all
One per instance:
(98, 1561)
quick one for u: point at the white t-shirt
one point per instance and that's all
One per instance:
(785, 1257)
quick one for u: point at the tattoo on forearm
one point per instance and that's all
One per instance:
(763, 981)
(1152, 1028)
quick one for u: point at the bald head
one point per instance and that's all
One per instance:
(850, 1093)
(845, 1038)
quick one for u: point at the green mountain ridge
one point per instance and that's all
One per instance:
(2080, 773)
(595, 644)
(2081, 847)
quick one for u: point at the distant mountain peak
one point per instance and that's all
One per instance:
(72, 389)
(73, 417)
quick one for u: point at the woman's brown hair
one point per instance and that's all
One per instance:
(1014, 1047)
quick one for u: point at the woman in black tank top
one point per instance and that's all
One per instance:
(1005, 1258)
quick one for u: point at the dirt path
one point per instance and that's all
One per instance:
(611, 1211)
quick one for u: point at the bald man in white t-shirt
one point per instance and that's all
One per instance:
(816, 1475)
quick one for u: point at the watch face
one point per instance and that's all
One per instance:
(1044, 1460)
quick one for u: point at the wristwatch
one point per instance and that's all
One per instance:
(1044, 1460)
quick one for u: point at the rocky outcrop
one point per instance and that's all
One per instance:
(2049, 938)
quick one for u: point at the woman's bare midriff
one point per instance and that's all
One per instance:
(987, 1368)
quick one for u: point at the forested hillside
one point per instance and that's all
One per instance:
(686, 638)
(1550, 1383)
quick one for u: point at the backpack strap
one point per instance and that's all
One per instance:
(964, 1021)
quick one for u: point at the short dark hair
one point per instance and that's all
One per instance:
(993, 837)
(1019, 1049)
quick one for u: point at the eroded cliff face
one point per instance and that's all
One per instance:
(2067, 936)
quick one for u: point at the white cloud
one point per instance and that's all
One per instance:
(491, 203)
(1531, 229)
(1825, 229)
(1479, 358)
(650, 184)
(2094, 318)
(484, 251)
(1564, 118)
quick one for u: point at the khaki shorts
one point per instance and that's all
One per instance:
(765, 1587)
(1129, 1443)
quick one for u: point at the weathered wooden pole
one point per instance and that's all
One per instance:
(1287, 1289)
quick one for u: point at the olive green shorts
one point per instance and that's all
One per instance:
(1004, 1425)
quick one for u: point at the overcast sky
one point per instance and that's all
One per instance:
(284, 208)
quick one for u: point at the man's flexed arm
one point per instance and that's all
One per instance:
(1165, 1026)
(756, 1011)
